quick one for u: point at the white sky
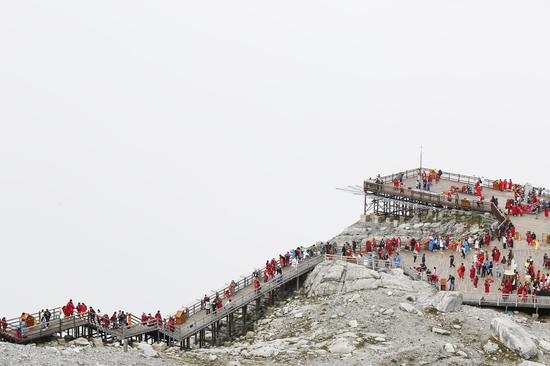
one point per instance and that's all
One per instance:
(150, 151)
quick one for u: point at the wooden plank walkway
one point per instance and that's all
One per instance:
(199, 320)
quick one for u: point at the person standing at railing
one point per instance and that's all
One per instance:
(69, 308)
(106, 321)
(4, 324)
(205, 304)
(234, 288)
(92, 315)
(158, 318)
(114, 320)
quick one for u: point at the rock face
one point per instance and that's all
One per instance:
(514, 336)
(336, 277)
(447, 301)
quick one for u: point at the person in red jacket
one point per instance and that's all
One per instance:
(472, 272)
(461, 271)
(158, 317)
(4, 324)
(70, 307)
(476, 280)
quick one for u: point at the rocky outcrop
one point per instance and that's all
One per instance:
(337, 277)
(447, 301)
(514, 336)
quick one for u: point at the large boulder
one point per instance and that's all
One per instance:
(447, 301)
(97, 342)
(147, 350)
(81, 342)
(515, 337)
(265, 351)
(531, 363)
(159, 346)
(336, 277)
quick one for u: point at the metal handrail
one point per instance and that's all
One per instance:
(425, 196)
(512, 299)
(245, 281)
(302, 267)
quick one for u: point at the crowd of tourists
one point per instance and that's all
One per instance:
(490, 262)
(80, 310)
(273, 270)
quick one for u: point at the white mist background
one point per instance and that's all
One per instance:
(151, 151)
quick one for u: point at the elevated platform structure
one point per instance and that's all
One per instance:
(407, 200)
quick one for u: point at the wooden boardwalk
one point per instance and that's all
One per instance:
(198, 321)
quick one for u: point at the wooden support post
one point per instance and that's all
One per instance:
(213, 341)
(257, 310)
(244, 319)
(229, 325)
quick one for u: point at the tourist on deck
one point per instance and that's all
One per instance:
(114, 320)
(257, 285)
(106, 321)
(451, 281)
(206, 302)
(158, 317)
(461, 271)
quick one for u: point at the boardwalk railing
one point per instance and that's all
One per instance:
(199, 305)
(503, 300)
(191, 328)
(427, 197)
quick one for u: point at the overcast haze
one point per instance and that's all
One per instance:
(150, 151)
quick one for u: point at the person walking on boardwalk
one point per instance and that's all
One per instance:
(451, 261)
(257, 285)
(461, 271)
(451, 281)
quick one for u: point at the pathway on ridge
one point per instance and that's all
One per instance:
(440, 259)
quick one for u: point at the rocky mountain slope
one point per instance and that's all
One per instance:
(345, 314)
